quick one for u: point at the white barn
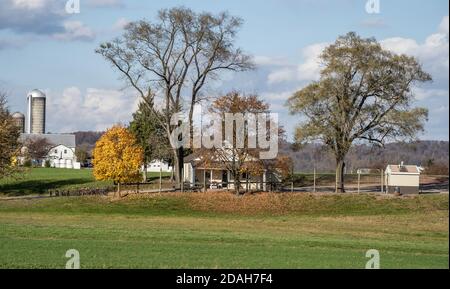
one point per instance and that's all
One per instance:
(62, 156)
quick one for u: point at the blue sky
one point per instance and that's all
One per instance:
(43, 47)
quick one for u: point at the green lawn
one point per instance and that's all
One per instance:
(198, 230)
(41, 180)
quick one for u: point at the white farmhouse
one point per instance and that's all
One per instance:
(62, 152)
(62, 156)
(159, 165)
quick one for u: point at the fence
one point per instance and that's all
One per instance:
(299, 182)
(326, 182)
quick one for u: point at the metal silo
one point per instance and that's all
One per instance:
(36, 112)
(19, 119)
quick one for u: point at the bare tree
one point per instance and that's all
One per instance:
(37, 148)
(235, 158)
(176, 56)
(364, 94)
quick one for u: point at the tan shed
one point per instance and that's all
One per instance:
(403, 179)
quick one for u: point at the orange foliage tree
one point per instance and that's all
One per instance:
(117, 157)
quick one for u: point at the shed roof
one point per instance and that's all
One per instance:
(409, 169)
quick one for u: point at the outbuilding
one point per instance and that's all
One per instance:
(403, 179)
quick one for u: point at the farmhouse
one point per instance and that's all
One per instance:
(217, 175)
(62, 152)
(159, 165)
(403, 179)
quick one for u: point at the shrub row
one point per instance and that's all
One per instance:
(80, 191)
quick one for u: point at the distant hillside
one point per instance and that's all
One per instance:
(423, 153)
(87, 139)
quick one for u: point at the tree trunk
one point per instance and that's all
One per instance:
(178, 165)
(340, 166)
(118, 189)
(237, 183)
(144, 173)
(181, 166)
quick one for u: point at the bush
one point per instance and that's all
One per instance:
(81, 191)
(27, 163)
(47, 163)
(437, 169)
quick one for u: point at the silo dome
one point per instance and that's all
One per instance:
(18, 115)
(36, 93)
(19, 119)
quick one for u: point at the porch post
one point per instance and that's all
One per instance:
(204, 180)
(265, 181)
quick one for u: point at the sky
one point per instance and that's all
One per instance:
(42, 46)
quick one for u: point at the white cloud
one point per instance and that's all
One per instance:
(310, 68)
(96, 109)
(444, 26)
(400, 45)
(433, 52)
(31, 4)
(427, 93)
(75, 30)
(104, 3)
(307, 70)
(120, 24)
(43, 18)
(282, 75)
(269, 61)
(276, 96)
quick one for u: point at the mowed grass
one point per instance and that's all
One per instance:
(220, 230)
(42, 180)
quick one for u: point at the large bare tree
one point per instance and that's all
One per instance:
(175, 56)
(364, 94)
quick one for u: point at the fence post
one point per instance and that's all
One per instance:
(204, 180)
(160, 179)
(359, 180)
(382, 183)
(292, 187)
(314, 180)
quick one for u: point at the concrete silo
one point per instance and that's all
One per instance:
(36, 112)
(19, 119)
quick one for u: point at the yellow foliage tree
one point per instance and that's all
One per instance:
(117, 157)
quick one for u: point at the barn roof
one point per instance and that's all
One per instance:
(67, 140)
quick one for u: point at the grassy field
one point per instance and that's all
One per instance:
(41, 180)
(220, 230)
